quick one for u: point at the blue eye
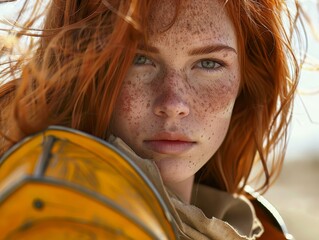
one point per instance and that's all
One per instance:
(142, 60)
(208, 64)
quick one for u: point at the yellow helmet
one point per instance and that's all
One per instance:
(65, 184)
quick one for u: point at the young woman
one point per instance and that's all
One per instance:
(201, 88)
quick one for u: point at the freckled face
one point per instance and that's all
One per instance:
(177, 99)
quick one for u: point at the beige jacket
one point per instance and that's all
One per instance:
(213, 214)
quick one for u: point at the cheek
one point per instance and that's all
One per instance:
(218, 98)
(130, 107)
(124, 103)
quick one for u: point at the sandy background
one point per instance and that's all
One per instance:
(296, 193)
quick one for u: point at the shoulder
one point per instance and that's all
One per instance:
(273, 223)
(234, 209)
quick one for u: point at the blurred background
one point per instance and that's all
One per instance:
(296, 193)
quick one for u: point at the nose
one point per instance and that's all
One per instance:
(171, 106)
(171, 101)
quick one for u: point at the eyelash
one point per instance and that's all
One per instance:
(219, 64)
(136, 58)
(148, 61)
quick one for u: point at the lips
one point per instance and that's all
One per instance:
(169, 143)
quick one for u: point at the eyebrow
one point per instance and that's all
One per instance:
(210, 49)
(147, 48)
(197, 51)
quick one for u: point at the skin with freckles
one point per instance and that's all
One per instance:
(177, 99)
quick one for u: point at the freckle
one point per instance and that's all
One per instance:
(188, 26)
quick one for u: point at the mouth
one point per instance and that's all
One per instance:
(168, 143)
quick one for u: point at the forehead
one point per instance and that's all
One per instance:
(200, 19)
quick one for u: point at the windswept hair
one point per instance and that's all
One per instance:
(84, 49)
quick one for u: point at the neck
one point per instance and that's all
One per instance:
(182, 189)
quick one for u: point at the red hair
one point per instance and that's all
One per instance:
(262, 112)
(85, 49)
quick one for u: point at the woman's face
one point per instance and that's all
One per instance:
(177, 99)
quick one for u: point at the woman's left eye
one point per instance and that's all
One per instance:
(208, 64)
